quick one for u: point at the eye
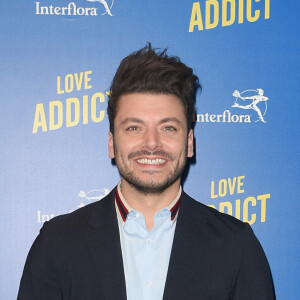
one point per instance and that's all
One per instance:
(169, 128)
(132, 128)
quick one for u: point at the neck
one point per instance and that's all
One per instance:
(148, 204)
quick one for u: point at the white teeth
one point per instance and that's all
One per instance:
(145, 161)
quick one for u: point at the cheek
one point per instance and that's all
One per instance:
(179, 144)
(129, 144)
(122, 148)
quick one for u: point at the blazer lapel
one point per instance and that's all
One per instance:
(190, 233)
(105, 247)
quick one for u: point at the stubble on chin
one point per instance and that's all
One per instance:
(152, 186)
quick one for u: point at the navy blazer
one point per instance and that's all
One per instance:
(78, 257)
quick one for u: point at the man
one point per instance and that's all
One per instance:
(148, 239)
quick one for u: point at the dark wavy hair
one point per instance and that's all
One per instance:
(154, 72)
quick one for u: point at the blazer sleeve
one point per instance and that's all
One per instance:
(254, 280)
(40, 279)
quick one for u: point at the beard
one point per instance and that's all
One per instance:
(152, 186)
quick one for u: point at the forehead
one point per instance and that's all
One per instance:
(150, 106)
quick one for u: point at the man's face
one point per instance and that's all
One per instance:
(150, 143)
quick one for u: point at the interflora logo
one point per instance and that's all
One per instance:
(85, 198)
(80, 8)
(253, 101)
(91, 196)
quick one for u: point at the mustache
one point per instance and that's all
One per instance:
(150, 153)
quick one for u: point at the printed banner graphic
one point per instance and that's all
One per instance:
(58, 61)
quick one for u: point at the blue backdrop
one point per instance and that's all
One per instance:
(58, 58)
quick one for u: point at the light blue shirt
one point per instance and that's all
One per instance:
(146, 254)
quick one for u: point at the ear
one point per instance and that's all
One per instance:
(111, 152)
(190, 144)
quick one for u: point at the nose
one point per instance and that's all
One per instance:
(151, 140)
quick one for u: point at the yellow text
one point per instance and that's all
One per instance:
(250, 209)
(227, 12)
(227, 185)
(77, 80)
(69, 113)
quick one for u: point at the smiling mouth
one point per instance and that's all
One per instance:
(146, 161)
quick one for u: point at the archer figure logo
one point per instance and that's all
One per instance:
(105, 5)
(86, 198)
(252, 99)
(91, 196)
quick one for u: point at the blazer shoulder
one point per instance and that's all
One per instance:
(203, 213)
(82, 217)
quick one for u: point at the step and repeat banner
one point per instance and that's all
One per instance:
(58, 58)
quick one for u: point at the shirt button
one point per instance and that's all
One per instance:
(137, 216)
(148, 283)
(148, 241)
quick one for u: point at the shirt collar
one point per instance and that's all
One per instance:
(123, 208)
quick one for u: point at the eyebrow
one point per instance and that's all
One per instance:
(132, 120)
(166, 120)
(140, 121)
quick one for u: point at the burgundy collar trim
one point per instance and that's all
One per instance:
(121, 207)
(124, 209)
